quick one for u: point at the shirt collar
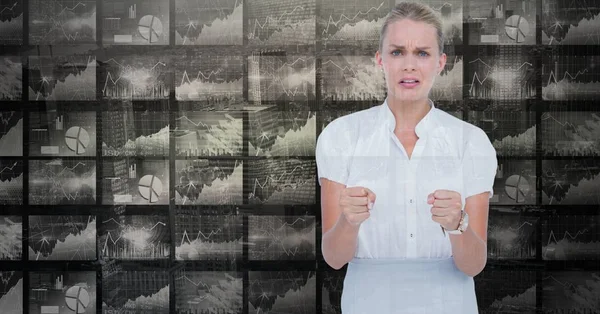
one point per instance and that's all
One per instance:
(423, 126)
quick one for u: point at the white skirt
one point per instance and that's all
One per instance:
(386, 286)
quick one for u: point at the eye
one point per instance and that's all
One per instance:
(394, 52)
(423, 53)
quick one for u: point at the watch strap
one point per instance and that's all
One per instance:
(460, 228)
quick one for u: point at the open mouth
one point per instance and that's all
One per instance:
(409, 81)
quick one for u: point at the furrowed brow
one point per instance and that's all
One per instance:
(404, 48)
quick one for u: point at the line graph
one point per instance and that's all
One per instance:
(289, 181)
(9, 10)
(506, 291)
(570, 291)
(286, 78)
(214, 77)
(138, 291)
(351, 78)
(506, 75)
(570, 133)
(354, 23)
(281, 291)
(208, 291)
(206, 23)
(62, 22)
(63, 238)
(569, 182)
(62, 181)
(346, 19)
(135, 238)
(9, 169)
(199, 133)
(280, 133)
(64, 77)
(11, 133)
(567, 22)
(11, 23)
(11, 292)
(512, 237)
(570, 77)
(137, 77)
(513, 133)
(571, 238)
(281, 238)
(11, 182)
(209, 182)
(129, 132)
(286, 22)
(209, 237)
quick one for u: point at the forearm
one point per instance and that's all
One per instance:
(339, 243)
(469, 252)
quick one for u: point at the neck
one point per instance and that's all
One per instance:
(408, 113)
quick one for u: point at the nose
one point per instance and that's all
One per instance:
(409, 63)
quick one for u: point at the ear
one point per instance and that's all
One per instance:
(442, 63)
(379, 59)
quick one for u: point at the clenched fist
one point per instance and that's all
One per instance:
(446, 208)
(356, 203)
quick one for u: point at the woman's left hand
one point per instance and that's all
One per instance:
(447, 208)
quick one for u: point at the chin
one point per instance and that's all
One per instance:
(403, 94)
(409, 96)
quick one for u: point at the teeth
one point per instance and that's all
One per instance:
(409, 81)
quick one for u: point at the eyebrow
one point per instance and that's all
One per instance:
(402, 47)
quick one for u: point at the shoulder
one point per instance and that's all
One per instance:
(461, 129)
(464, 135)
(346, 130)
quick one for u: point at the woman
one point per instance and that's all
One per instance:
(393, 175)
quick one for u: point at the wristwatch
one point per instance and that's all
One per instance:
(462, 225)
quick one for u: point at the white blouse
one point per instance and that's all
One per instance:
(360, 149)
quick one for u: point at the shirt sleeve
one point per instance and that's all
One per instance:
(479, 164)
(332, 153)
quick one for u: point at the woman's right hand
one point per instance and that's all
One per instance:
(356, 203)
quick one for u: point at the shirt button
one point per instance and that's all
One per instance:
(412, 235)
(411, 200)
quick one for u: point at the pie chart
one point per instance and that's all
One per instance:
(150, 188)
(150, 28)
(517, 28)
(517, 187)
(77, 139)
(77, 299)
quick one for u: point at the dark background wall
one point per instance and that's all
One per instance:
(158, 156)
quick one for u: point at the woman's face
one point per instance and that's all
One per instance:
(410, 59)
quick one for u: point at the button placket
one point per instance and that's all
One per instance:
(411, 229)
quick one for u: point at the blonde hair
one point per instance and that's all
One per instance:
(417, 12)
